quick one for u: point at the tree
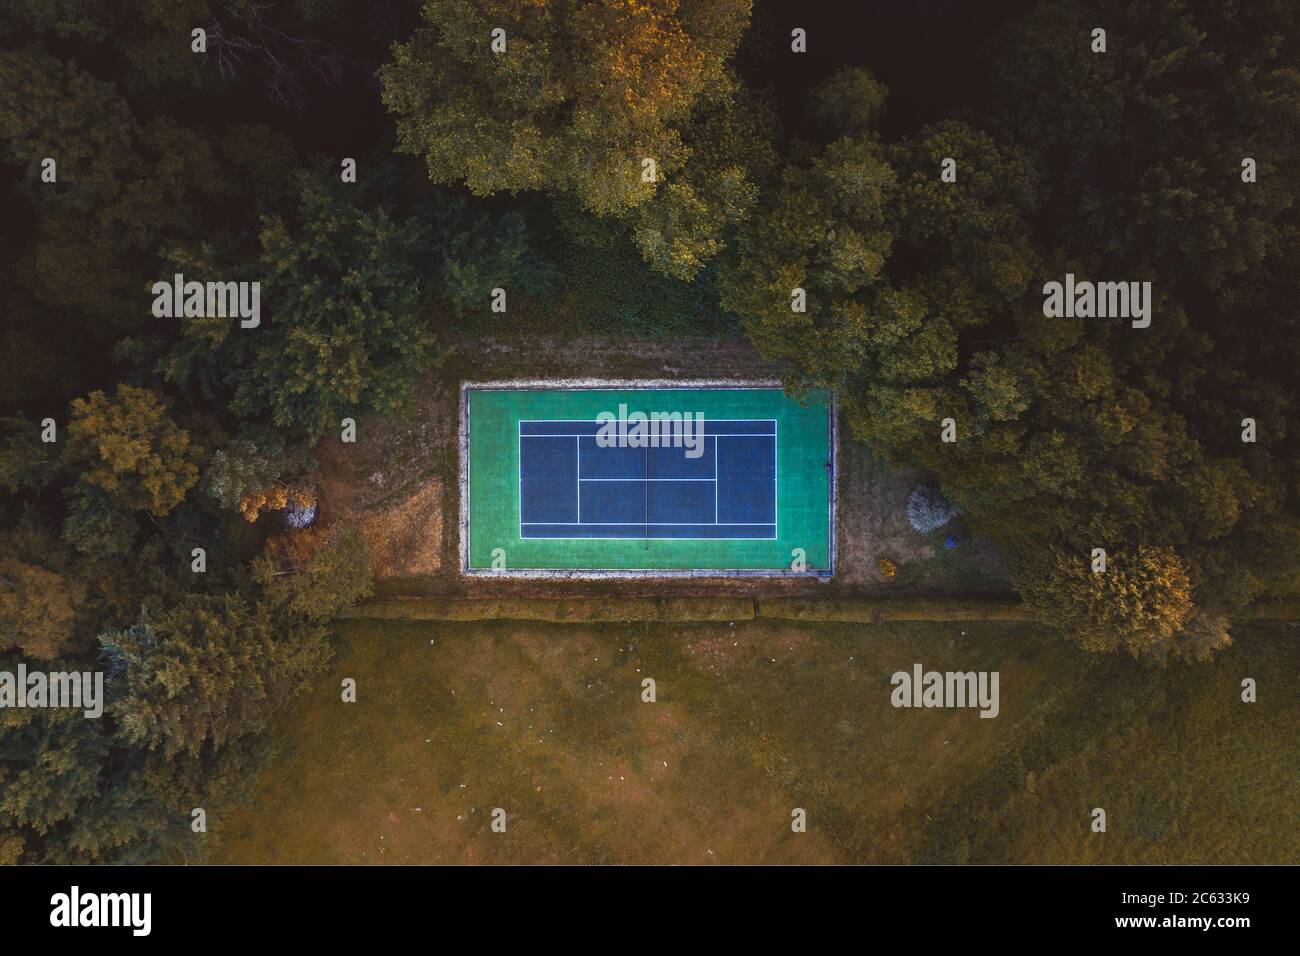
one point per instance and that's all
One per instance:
(895, 269)
(129, 448)
(45, 109)
(246, 34)
(607, 289)
(1144, 161)
(582, 94)
(198, 675)
(121, 185)
(128, 183)
(255, 471)
(684, 226)
(64, 18)
(26, 462)
(314, 574)
(94, 87)
(850, 102)
(477, 250)
(133, 39)
(97, 524)
(1142, 178)
(39, 599)
(211, 670)
(347, 334)
(51, 761)
(1141, 603)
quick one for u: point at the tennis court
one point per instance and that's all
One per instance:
(645, 480)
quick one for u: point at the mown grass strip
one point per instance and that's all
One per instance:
(571, 610)
(868, 610)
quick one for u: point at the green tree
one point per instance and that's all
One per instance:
(126, 187)
(128, 447)
(211, 670)
(256, 459)
(200, 674)
(45, 110)
(474, 250)
(39, 598)
(583, 93)
(850, 102)
(1142, 602)
(51, 762)
(1143, 145)
(26, 462)
(1140, 154)
(134, 39)
(894, 269)
(332, 574)
(347, 333)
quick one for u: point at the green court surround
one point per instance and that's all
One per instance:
(490, 488)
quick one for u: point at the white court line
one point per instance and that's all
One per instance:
(649, 445)
(666, 524)
(766, 537)
(651, 479)
(594, 421)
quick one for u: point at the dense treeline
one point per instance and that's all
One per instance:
(925, 303)
(171, 434)
(526, 169)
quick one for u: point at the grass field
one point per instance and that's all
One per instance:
(802, 478)
(756, 718)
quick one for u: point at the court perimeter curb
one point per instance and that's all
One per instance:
(576, 574)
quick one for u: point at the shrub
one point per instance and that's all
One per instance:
(928, 510)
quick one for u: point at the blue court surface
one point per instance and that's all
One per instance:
(722, 488)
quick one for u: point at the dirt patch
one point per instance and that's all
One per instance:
(406, 538)
(391, 484)
(873, 518)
